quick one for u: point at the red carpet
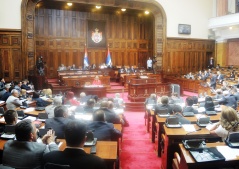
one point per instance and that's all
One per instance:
(137, 152)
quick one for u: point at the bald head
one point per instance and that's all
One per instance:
(110, 105)
(104, 104)
(99, 115)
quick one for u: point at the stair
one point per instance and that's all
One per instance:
(135, 106)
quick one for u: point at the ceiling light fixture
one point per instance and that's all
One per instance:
(98, 7)
(146, 12)
(69, 4)
(123, 9)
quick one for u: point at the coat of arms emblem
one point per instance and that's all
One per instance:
(96, 36)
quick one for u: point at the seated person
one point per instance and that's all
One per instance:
(164, 105)
(228, 100)
(25, 152)
(58, 122)
(110, 116)
(225, 86)
(17, 86)
(219, 94)
(23, 94)
(235, 93)
(47, 93)
(218, 66)
(13, 101)
(151, 100)
(73, 67)
(199, 75)
(57, 101)
(96, 81)
(177, 112)
(83, 98)
(205, 75)
(189, 76)
(25, 86)
(39, 102)
(228, 122)
(232, 75)
(209, 105)
(71, 100)
(10, 117)
(102, 130)
(7, 92)
(175, 98)
(122, 117)
(188, 107)
(74, 154)
(89, 108)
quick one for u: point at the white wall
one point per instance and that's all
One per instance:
(193, 12)
(10, 14)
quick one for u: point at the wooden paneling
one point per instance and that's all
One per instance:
(61, 35)
(185, 55)
(11, 63)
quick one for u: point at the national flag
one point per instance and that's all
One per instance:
(86, 61)
(108, 58)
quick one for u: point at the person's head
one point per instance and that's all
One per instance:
(174, 94)
(61, 111)
(164, 100)
(75, 133)
(189, 101)
(82, 94)
(233, 90)
(225, 83)
(25, 130)
(23, 92)
(57, 101)
(7, 86)
(91, 103)
(99, 115)
(195, 99)
(24, 82)
(208, 98)
(2, 79)
(177, 109)
(70, 95)
(19, 83)
(218, 72)
(15, 92)
(110, 105)
(153, 96)
(104, 104)
(228, 117)
(10, 117)
(117, 95)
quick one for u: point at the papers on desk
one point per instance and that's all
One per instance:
(201, 109)
(30, 118)
(218, 108)
(201, 100)
(29, 109)
(87, 117)
(1, 102)
(44, 98)
(30, 91)
(228, 152)
(189, 127)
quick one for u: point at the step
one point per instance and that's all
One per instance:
(135, 106)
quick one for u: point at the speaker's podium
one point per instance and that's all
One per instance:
(38, 81)
(140, 88)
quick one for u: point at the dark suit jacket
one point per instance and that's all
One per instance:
(213, 81)
(23, 86)
(27, 155)
(104, 131)
(190, 109)
(76, 158)
(58, 125)
(162, 106)
(110, 116)
(229, 101)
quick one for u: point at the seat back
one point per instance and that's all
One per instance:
(56, 166)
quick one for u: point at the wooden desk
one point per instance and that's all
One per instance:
(159, 122)
(187, 162)
(174, 136)
(31, 111)
(99, 91)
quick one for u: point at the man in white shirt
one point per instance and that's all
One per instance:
(13, 101)
(149, 64)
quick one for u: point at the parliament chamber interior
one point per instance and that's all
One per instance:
(144, 84)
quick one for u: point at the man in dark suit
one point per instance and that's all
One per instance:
(89, 108)
(164, 105)
(213, 81)
(211, 62)
(189, 108)
(220, 77)
(110, 116)
(58, 122)
(177, 112)
(228, 100)
(74, 154)
(25, 152)
(102, 130)
(25, 86)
